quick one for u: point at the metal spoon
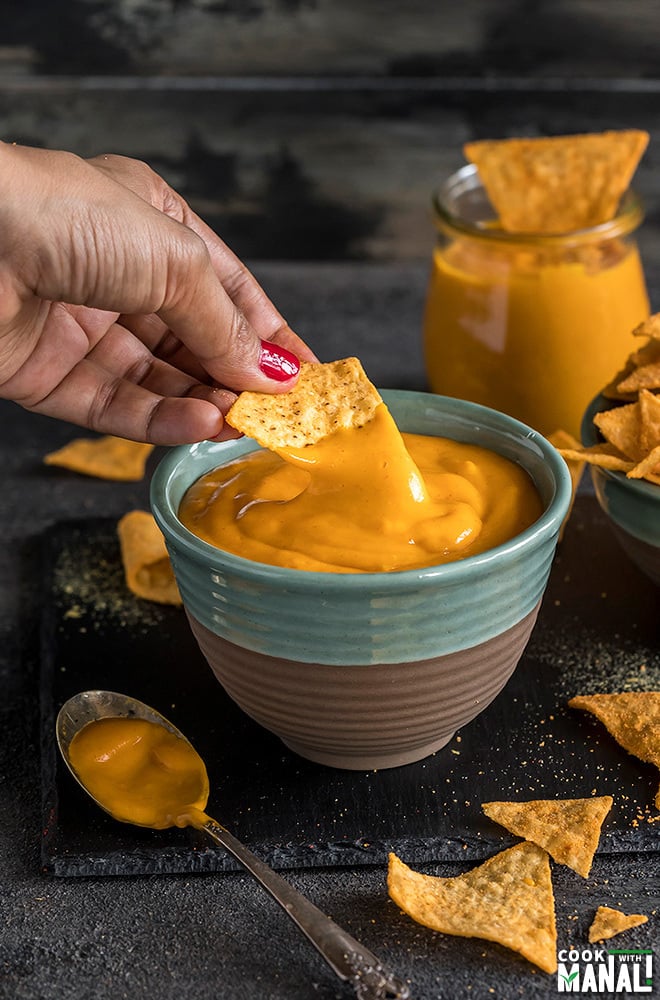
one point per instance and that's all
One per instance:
(350, 960)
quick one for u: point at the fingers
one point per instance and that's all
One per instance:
(94, 398)
(241, 286)
(117, 386)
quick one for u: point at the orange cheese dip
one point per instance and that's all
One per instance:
(363, 500)
(141, 772)
(532, 332)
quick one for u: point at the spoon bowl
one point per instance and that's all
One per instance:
(351, 961)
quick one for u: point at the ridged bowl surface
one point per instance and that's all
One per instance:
(632, 505)
(308, 654)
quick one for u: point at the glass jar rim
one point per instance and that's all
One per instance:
(628, 217)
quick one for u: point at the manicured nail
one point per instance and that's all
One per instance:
(277, 363)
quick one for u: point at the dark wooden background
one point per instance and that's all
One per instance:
(316, 129)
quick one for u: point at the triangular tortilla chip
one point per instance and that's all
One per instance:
(605, 456)
(557, 184)
(649, 327)
(608, 922)
(147, 567)
(633, 719)
(621, 427)
(326, 398)
(642, 377)
(104, 457)
(507, 899)
(568, 829)
(649, 419)
(648, 468)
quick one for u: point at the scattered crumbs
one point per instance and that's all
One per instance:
(584, 662)
(89, 583)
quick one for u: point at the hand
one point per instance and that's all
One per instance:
(120, 310)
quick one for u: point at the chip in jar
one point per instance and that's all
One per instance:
(568, 829)
(632, 718)
(508, 899)
(608, 922)
(557, 184)
(103, 457)
(326, 398)
(147, 568)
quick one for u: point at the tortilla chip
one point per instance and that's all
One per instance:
(568, 829)
(558, 184)
(606, 456)
(147, 567)
(648, 468)
(649, 328)
(508, 899)
(621, 427)
(608, 922)
(641, 377)
(326, 398)
(632, 718)
(104, 457)
(649, 419)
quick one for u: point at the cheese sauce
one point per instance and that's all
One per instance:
(141, 772)
(363, 500)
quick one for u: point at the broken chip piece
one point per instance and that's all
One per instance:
(568, 829)
(104, 457)
(326, 398)
(632, 718)
(508, 899)
(557, 184)
(609, 922)
(147, 567)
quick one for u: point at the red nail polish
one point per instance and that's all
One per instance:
(278, 363)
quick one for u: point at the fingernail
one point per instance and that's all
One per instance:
(278, 363)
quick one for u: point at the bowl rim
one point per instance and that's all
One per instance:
(451, 573)
(589, 435)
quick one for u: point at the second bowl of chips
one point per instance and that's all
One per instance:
(632, 504)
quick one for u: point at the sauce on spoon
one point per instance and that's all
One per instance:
(141, 772)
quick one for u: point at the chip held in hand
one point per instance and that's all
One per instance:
(326, 398)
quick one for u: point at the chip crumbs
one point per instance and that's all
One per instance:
(508, 899)
(609, 922)
(326, 398)
(104, 458)
(632, 718)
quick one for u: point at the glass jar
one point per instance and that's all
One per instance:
(530, 325)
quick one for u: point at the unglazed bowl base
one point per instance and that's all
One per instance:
(368, 716)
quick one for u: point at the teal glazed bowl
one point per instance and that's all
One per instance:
(368, 670)
(632, 505)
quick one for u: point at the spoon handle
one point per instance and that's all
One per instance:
(350, 960)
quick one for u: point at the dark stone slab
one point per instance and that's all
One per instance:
(527, 744)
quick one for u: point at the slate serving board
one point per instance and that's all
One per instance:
(598, 630)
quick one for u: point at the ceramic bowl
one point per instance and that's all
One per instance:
(632, 505)
(368, 670)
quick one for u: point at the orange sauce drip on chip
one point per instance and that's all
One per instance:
(366, 499)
